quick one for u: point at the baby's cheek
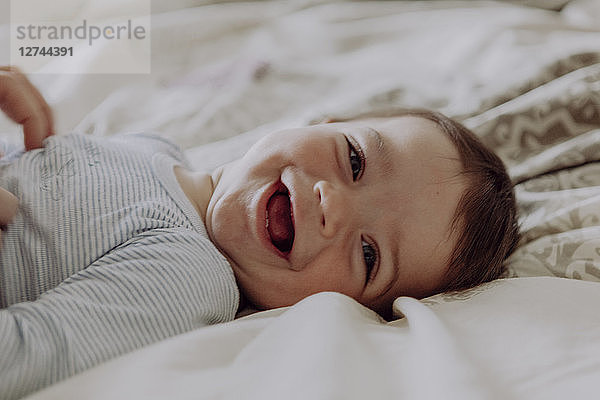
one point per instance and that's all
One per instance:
(329, 272)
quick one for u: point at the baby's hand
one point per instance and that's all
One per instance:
(8, 208)
(24, 104)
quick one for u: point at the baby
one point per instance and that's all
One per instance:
(116, 244)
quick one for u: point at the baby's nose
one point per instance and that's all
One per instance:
(335, 209)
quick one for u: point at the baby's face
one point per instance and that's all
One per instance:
(362, 208)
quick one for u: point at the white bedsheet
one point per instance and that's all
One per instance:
(526, 338)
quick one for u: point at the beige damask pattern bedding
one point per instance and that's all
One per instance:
(549, 136)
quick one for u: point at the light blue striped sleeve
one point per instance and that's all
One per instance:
(161, 284)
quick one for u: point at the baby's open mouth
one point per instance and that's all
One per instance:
(280, 223)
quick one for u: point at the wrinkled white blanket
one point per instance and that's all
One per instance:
(525, 338)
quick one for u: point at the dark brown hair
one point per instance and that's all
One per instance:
(486, 215)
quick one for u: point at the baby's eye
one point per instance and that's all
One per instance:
(370, 257)
(357, 159)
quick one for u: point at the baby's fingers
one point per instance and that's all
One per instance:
(8, 207)
(35, 130)
(40, 101)
(24, 104)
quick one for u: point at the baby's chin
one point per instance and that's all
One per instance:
(257, 300)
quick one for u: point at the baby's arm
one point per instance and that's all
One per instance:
(137, 294)
(24, 104)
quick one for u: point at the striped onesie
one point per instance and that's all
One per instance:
(105, 255)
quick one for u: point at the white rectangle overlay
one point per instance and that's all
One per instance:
(72, 36)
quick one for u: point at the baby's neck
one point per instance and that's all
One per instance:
(197, 186)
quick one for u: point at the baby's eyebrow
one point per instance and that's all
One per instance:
(379, 137)
(384, 157)
(373, 133)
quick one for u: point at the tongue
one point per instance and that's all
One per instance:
(280, 222)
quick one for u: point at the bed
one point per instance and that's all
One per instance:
(524, 75)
